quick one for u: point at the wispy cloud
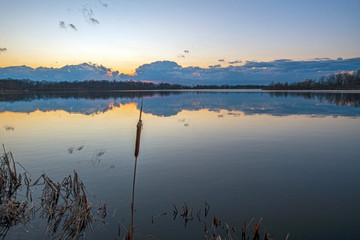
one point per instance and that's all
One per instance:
(235, 62)
(72, 26)
(103, 4)
(3, 50)
(321, 59)
(94, 21)
(221, 60)
(62, 24)
(89, 15)
(186, 52)
(215, 66)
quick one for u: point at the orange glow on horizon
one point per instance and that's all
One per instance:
(111, 105)
(130, 70)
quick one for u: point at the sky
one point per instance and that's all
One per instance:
(125, 34)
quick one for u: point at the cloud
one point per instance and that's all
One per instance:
(103, 4)
(186, 51)
(72, 26)
(94, 21)
(181, 56)
(81, 72)
(321, 59)
(3, 50)
(87, 12)
(221, 60)
(215, 66)
(89, 15)
(235, 62)
(62, 24)
(281, 70)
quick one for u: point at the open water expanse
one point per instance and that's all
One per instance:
(292, 158)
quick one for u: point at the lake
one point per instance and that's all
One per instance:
(292, 158)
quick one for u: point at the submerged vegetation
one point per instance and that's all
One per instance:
(65, 205)
(12, 211)
(215, 228)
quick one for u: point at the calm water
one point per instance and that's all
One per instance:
(291, 158)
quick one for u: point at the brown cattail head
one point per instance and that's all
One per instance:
(138, 133)
(137, 143)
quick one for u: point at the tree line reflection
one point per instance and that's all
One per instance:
(85, 95)
(170, 103)
(337, 98)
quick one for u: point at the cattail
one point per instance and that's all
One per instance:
(136, 154)
(138, 133)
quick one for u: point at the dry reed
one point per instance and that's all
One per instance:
(66, 204)
(219, 229)
(139, 126)
(12, 211)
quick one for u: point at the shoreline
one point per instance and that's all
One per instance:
(15, 92)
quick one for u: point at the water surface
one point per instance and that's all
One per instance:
(289, 157)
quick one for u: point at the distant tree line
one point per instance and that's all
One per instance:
(338, 81)
(43, 86)
(103, 85)
(248, 86)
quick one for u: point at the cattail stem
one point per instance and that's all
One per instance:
(136, 154)
(132, 203)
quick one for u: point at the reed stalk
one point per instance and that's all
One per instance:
(136, 154)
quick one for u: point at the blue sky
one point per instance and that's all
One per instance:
(125, 34)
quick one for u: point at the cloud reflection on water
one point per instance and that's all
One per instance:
(171, 103)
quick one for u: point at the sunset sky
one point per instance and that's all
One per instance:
(124, 34)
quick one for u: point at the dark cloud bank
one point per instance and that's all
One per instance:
(283, 70)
